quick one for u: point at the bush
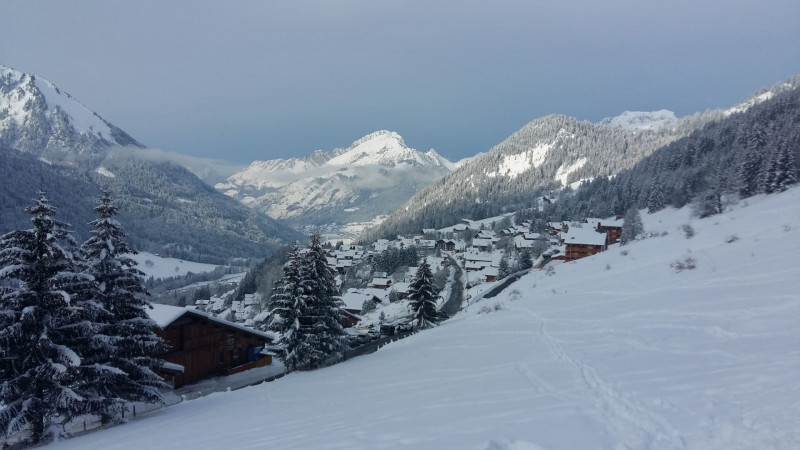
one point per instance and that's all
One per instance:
(687, 263)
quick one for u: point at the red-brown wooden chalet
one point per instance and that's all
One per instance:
(203, 346)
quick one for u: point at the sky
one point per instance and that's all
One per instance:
(247, 80)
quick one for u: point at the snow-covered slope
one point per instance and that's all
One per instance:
(616, 351)
(641, 120)
(37, 117)
(371, 177)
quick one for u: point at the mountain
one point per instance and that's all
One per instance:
(371, 177)
(36, 117)
(552, 153)
(49, 139)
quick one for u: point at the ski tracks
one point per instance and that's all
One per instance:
(630, 425)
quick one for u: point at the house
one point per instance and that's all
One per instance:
(583, 242)
(203, 346)
(557, 227)
(380, 283)
(612, 228)
(489, 274)
(482, 244)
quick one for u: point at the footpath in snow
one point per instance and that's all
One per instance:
(627, 349)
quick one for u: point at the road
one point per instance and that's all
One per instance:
(453, 304)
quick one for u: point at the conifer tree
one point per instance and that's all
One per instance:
(749, 169)
(656, 200)
(123, 353)
(320, 335)
(525, 261)
(503, 270)
(422, 297)
(40, 325)
(785, 169)
(631, 227)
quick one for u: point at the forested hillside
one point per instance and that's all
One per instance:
(557, 151)
(750, 152)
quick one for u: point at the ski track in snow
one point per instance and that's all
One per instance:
(633, 425)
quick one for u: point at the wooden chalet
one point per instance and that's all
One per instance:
(203, 346)
(583, 242)
(612, 228)
(557, 227)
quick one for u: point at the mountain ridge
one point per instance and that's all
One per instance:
(370, 177)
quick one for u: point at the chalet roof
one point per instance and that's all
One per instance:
(521, 242)
(401, 287)
(166, 315)
(355, 299)
(476, 265)
(481, 242)
(611, 222)
(476, 256)
(381, 281)
(584, 236)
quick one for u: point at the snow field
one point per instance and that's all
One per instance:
(616, 351)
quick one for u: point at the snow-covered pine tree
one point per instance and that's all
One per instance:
(320, 335)
(525, 262)
(632, 226)
(749, 169)
(503, 270)
(785, 169)
(656, 200)
(39, 327)
(120, 367)
(285, 306)
(422, 297)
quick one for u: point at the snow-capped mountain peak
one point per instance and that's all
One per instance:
(384, 148)
(372, 176)
(40, 118)
(641, 120)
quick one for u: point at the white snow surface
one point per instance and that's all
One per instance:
(742, 107)
(513, 165)
(160, 267)
(563, 172)
(615, 351)
(641, 120)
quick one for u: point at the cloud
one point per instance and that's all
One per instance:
(211, 171)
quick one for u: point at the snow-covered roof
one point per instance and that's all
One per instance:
(165, 315)
(584, 236)
(481, 242)
(355, 300)
(381, 281)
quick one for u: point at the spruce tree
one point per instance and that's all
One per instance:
(785, 169)
(320, 335)
(631, 227)
(749, 169)
(525, 261)
(40, 325)
(503, 270)
(120, 367)
(422, 297)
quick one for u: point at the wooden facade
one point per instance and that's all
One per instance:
(578, 251)
(613, 231)
(207, 346)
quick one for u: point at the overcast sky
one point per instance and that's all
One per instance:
(245, 80)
